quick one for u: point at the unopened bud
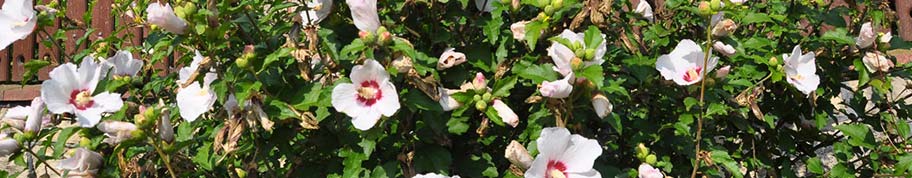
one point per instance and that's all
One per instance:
(590, 54)
(716, 5)
(705, 9)
(651, 159)
(576, 63)
(774, 61)
(557, 3)
(543, 2)
(724, 28)
(486, 97)
(481, 105)
(549, 9)
(518, 155)
(367, 37)
(479, 83)
(384, 36)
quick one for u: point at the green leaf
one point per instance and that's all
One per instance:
(689, 102)
(535, 72)
(534, 26)
(593, 73)
(754, 17)
(432, 158)
(815, 165)
(202, 157)
(593, 37)
(859, 134)
(492, 115)
(502, 87)
(730, 164)
(457, 125)
(863, 75)
(31, 68)
(905, 164)
(274, 57)
(356, 46)
(492, 29)
(62, 137)
(839, 35)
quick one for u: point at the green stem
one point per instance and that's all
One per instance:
(40, 160)
(164, 157)
(707, 51)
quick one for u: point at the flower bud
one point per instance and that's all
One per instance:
(705, 9)
(477, 98)
(651, 159)
(518, 155)
(557, 89)
(576, 63)
(165, 130)
(481, 105)
(549, 9)
(450, 58)
(163, 16)
(8, 146)
(601, 105)
(506, 114)
(642, 151)
(723, 48)
(715, 5)
(724, 28)
(117, 131)
(774, 61)
(557, 4)
(590, 54)
(367, 37)
(486, 97)
(543, 2)
(479, 83)
(384, 36)
(723, 72)
(519, 30)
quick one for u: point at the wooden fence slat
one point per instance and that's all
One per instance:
(75, 9)
(23, 51)
(102, 20)
(4, 64)
(47, 52)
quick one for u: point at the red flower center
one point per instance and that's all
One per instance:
(82, 99)
(556, 169)
(692, 74)
(369, 92)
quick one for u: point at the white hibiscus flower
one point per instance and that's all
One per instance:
(83, 163)
(563, 155)
(563, 55)
(369, 96)
(643, 8)
(17, 21)
(866, 36)
(433, 175)
(72, 90)
(316, 12)
(196, 99)
(163, 16)
(364, 14)
(801, 71)
(684, 65)
(124, 64)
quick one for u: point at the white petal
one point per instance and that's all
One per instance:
(89, 116)
(193, 101)
(164, 17)
(364, 14)
(581, 154)
(210, 76)
(505, 113)
(36, 115)
(318, 11)
(18, 112)
(108, 102)
(56, 96)
(601, 105)
(647, 171)
(8, 146)
(389, 103)
(561, 55)
(366, 120)
(370, 70)
(552, 143)
(591, 173)
(481, 6)
(66, 76)
(866, 36)
(447, 102)
(643, 8)
(557, 89)
(90, 72)
(344, 99)
(538, 168)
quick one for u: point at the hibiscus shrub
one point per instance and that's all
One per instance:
(521, 88)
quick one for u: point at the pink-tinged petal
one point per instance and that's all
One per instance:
(519, 30)
(581, 154)
(8, 146)
(562, 55)
(389, 103)
(82, 161)
(193, 101)
(592, 173)
(108, 102)
(366, 120)
(370, 70)
(647, 171)
(56, 96)
(447, 102)
(345, 100)
(164, 17)
(552, 142)
(866, 36)
(89, 116)
(364, 14)
(36, 115)
(557, 89)
(538, 169)
(124, 64)
(505, 113)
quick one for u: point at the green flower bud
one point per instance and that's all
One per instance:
(705, 9)
(477, 98)
(138, 134)
(549, 9)
(28, 135)
(85, 142)
(651, 159)
(590, 54)
(486, 97)
(642, 151)
(557, 4)
(543, 2)
(580, 53)
(774, 61)
(715, 5)
(481, 105)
